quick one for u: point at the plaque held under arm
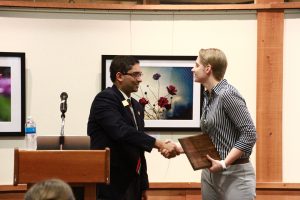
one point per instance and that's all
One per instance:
(196, 148)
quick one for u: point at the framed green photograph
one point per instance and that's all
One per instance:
(12, 94)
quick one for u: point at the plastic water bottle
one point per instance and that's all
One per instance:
(30, 134)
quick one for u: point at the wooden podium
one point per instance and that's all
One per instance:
(83, 168)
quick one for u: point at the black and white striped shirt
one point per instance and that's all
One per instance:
(227, 120)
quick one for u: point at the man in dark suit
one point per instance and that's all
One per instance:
(117, 121)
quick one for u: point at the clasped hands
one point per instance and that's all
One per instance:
(169, 149)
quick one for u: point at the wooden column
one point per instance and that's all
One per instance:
(269, 95)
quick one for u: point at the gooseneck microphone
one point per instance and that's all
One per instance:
(63, 103)
(63, 110)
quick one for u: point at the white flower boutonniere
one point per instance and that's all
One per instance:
(125, 103)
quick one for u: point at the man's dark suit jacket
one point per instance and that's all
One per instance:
(111, 124)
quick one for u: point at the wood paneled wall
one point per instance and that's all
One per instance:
(269, 95)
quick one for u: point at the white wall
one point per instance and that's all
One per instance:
(63, 53)
(291, 98)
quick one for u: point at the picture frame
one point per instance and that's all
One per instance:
(12, 93)
(172, 100)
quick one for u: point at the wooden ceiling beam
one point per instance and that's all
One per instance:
(148, 2)
(101, 6)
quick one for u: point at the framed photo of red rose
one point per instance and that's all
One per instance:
(12, 93)
(170, 97)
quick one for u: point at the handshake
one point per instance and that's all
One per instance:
(168, 148)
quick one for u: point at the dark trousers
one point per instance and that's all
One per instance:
(133, 191)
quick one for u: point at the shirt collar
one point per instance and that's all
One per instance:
(124, 95)
(217, 88)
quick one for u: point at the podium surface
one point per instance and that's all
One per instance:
(77, 167)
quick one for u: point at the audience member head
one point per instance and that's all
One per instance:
(52, 189)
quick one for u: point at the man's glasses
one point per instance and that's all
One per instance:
(135, 74)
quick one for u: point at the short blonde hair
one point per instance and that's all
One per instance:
(217, 59)
(52, 189)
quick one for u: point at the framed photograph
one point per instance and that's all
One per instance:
(171, 98)
(12, 94)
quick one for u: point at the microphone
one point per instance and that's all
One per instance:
(63, 109)
(63, 103)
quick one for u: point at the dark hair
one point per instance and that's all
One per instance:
(52, 189)
(121, 64)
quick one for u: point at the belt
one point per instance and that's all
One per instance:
(240, 161)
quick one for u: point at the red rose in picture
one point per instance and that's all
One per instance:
(163, 101)
(157, 103)
(171, 90)
(143, 101)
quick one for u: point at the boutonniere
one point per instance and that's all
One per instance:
(125, 103)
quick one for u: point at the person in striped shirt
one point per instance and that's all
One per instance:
(228, 123)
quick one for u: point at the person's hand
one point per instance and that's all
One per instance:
(216, 165)
(179, 149)
(169, 149)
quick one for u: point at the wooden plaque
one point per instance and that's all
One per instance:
(196, 148)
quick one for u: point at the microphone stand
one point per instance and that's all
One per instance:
(62, 137)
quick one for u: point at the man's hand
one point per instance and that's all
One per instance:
(170, 149)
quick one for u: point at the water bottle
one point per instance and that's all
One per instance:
(30, 134)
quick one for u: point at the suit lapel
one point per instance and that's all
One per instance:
(136, 111)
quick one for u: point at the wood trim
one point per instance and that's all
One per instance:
(90, 166)
(107, 165)
(101, 6)
(180, 185)
(187, 191)
(196, 185)
(90, 192)
(13, 188)
(205, 1)
(269, 95)
(177, 185)
(290, 5)
(279, 185)
(149, 2)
